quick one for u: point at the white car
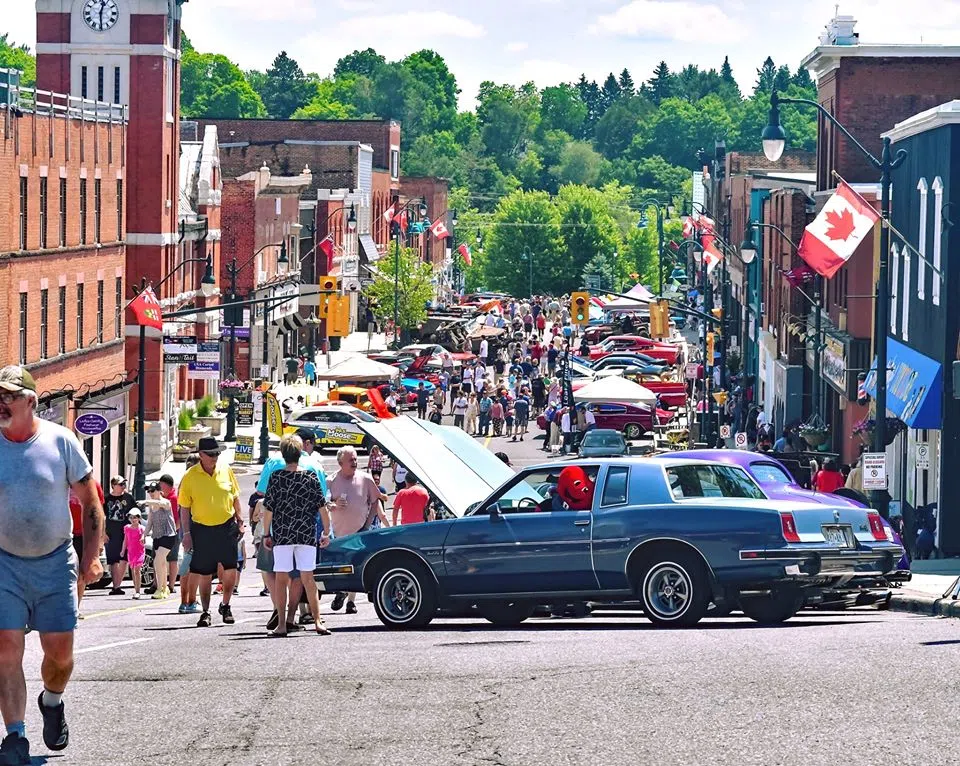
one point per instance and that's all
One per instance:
(335, 425)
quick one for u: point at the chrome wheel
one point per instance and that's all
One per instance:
(632, 431)
(668, 589)
(399, 595)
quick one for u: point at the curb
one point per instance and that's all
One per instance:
(929, 605)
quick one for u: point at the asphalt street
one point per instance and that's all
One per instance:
(856, 687)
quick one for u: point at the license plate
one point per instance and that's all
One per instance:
(836, 536)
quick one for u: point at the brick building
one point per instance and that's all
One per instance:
(62, 202)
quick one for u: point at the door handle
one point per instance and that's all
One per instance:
(584, 523)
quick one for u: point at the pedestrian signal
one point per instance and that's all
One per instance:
(580, 308)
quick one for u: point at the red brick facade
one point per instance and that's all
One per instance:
(436, 192)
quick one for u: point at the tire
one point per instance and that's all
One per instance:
(404, 595)
(632, 431)
(674, 589)
(147, 573)
(774, 608)
(506, 613)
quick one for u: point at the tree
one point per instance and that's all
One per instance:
(562, 108)
(765, 76)
(782, 79)
(726, 71)
(213, 86)
(656, 173)
(587, 230)
(525, 221)
(436, 154)
(610, 92)
(285, 88)
(601, 270)
(414, 288)
(802, 79)
(661, 84)
(617, 127)
(367, 62)
(627, 88)
(13, 56)
(579, 164)
(508, 117)
(430, 92)
(590, 95)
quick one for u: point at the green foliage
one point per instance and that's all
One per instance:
(13, 56)
(205, 406)
(285, 87)
(213, 86)
(579, 163)
(562, 108)
(185, 419)
(414, 287)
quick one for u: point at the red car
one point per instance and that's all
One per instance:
(635, 344)
(632, 420)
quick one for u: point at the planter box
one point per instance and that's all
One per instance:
(180, 457)
(193, 436)
(214, 423)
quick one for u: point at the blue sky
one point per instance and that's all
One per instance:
(547, 41)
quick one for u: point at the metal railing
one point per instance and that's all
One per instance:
(59, 104)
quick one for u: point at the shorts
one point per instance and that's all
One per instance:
(39, 592)
(174, 554)
(167, 542)
(213, 546)
(114, 546)
(286, 558)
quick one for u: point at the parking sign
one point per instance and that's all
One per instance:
(740, 440)
(725, 431)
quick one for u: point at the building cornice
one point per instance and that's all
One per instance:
(105, 49)
(826, 58)
(938, 117)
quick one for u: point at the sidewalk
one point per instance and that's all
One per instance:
(355, 344)
(924, 594)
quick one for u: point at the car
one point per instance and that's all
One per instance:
(676, 534)
(436, 352)
(354, 396)
(334, 425)
(603, 442)
(627, 366)
(636, 359)
(632, 420)
(635, 343)
(598, 332)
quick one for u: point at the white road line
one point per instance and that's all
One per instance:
(111, 646)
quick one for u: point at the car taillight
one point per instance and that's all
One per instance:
(877, 529)
(789, 528)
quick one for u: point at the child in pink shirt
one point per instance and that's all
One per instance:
(135, 548)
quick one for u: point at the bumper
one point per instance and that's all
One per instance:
(820, 562)
(336, 577)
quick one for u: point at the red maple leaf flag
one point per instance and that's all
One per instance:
(689, 228)
(146, 308)
(439, 229)
(705, 223)
(465, 254)
(326, 247)
(835, 233)
(402, 221)
(389, 213)
(711, 254)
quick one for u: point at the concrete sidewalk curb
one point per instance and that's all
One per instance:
(918, 603)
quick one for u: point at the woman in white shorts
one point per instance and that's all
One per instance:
(290, 508)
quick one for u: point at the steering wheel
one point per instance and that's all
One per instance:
(528, 503)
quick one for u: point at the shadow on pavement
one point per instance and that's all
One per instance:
(940, 643)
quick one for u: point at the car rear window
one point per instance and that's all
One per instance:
(689, 481)
(615, 488)
(768, 473)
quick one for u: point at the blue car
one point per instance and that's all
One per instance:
(676, 534)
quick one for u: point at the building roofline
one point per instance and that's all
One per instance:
(305, 122)
(938, 117)
(825, 58)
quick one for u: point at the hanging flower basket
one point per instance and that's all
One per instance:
(866, 428)
(231, 386)
(814, 436)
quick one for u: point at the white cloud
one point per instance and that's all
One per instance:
(258, 10)
(681, 21)
(516, 47)
(407, 28)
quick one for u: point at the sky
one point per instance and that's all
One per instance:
(546, 41)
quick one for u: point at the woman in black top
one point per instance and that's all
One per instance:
(290, 508)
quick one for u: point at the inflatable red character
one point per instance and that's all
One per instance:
(575, 488)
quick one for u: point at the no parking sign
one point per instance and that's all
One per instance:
(740, 440)
(725, 432)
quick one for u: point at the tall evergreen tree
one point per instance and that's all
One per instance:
(590, 94)
(782, 79)
(726, 71)
(285, 88)
(765, 76)
(802, 78)
(627, 87)
(610, 91)
(661, 84)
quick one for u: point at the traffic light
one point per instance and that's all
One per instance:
(709, 359)
(717, 313)
(580, 308)
(660, 319)
(323, 306)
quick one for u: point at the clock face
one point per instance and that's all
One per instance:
(100, 15)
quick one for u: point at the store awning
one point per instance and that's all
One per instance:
(290, 323)
(914, 385)
(369, 248)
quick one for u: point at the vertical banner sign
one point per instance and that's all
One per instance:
(274, 415)
(244, 450)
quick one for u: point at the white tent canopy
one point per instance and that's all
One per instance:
(639, 297)
(359, 369)
(615, 389)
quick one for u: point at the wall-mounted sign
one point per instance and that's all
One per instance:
(207, 364)
(874, 470)
(179, 349)
(91, 424)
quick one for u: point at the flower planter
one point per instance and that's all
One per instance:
(193, 436)
(180, 456)
(214, 423)
(815, 438)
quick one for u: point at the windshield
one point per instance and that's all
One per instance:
(601, 439)
(364, 417)
(768, 473)
(687, 481)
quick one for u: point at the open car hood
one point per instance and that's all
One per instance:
(453, 466)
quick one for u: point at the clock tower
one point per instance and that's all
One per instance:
(128, 52)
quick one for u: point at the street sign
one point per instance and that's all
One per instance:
(179, 349)
(923, 456)
(740, 440)
(264, 370)
(91, 424)
(874, 470)
(725, 431)
(207, 364)
(244, 449)
(244, 413)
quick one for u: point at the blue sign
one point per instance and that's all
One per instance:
(238, 332)
(91, 424)
(914, 385)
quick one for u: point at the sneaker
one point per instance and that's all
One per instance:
(116, 591)
(192, 608)
(205, 620)
(135, 596)
(265, 592)
(351, 608)
(15, 750)
(158, 595)
(56, 733)
(182, 609)
(274, 621)
(227, 614)
(306, 618)
(338, 601)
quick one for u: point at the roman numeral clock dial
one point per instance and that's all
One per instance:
(101, 15)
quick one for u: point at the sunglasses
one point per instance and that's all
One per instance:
(211, 454)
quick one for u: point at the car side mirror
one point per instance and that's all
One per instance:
(494, 510)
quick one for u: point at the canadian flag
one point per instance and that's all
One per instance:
(834, 235)
(439, 229)
(402, 221)
(465, 254)
(705, 224)
(689, 228)
(711, 254)
(147, 309)
(389, 213)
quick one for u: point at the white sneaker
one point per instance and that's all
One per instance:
(136, 596)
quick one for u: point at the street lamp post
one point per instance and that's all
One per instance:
(322, 323)
(774, 140)
(232, 271)
(422, 209)
(208, 286)
(656, 205)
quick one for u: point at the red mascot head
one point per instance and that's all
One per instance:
(575, 488)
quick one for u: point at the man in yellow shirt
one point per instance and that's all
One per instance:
(212, 526)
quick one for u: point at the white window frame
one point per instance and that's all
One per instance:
(894, 281)
(922, 240)
(937, 237)
(905, 318)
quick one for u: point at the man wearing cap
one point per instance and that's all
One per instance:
(118, 505)
(212, 525)
(40, 462)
